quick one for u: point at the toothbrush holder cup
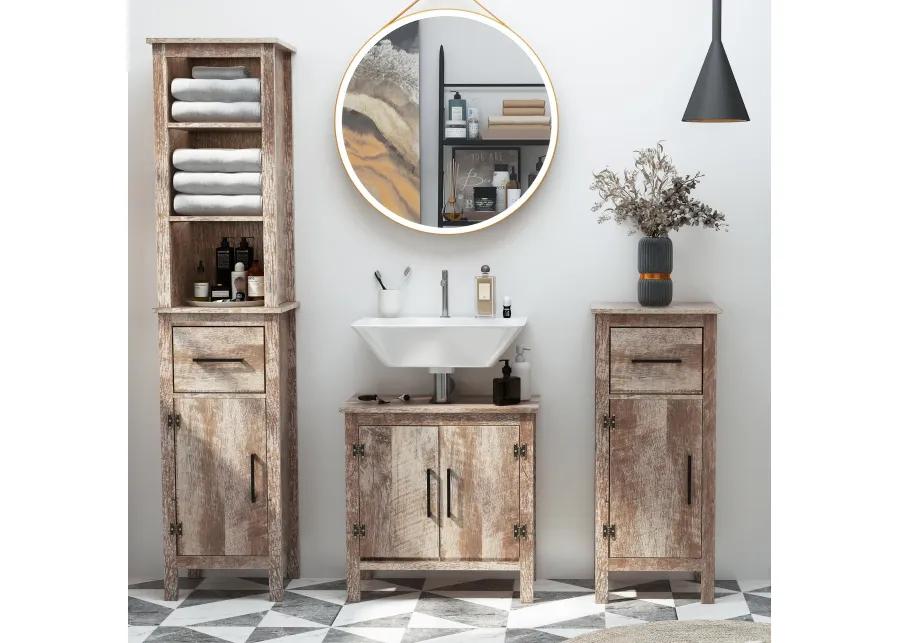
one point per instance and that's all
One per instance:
(389, 303)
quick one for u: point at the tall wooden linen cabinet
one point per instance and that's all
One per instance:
(228, 377)
(655, 441)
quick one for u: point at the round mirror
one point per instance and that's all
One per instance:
(446, 121)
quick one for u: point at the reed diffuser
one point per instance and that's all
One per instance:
(452, 209)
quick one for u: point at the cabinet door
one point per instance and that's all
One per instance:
(654, 478)
(481, 493)
(399, 468)
(220, 493)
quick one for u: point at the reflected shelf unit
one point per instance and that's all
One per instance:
(228, 377)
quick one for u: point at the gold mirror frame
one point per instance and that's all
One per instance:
(438, 13)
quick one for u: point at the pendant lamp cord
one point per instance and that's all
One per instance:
(483, 8)
(716, 20)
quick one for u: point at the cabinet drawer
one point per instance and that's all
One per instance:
(219, 359)
(656, 360)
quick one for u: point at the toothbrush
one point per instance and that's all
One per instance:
(378, 277)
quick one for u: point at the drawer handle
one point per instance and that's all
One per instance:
(218, 360)
(252, 477)
(448, 492)
(656, 360)
(690, 478)
(428, 493)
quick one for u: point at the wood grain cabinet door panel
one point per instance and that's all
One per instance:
(220, 514)
(656, 360)
(399, 467)
(483, 476)
(654, 461)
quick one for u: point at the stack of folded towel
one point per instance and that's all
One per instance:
(523, 119)
(217, 181)
(216, 94)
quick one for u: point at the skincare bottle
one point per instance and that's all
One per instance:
(224, 262)
(506, 388)
(239, 282)
(484, 293)
(522, 369)
(220, 292)
(501, 178)
(255, 282)
(513, 191)
(244, 253)
(507, 307)
(472, 124)
(457, 109)
(201, 283)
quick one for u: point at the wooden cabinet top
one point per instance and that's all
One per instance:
(422, 404)
(634, 308)
(222, 41)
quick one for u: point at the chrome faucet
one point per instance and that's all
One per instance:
(444, 301)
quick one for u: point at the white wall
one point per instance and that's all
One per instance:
(623, 72)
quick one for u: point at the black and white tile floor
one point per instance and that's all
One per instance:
(443, 608)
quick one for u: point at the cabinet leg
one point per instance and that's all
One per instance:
(293, 565)
(195, 573)
(276, 586)
(170, 582)
(601, 589)
(353, 575)
(708, 583)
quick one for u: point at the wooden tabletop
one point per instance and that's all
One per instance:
(422, 404)
(222, 41)
(632, 307)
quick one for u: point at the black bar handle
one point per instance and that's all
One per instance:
(428, 492)
(252, 477)
(448, 493)
(216, 360)
(656, 360)
(690, 477)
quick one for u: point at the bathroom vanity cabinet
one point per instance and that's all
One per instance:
(228, 380)
(440, 487)
(655, 441)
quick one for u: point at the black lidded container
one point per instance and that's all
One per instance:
(507, 389)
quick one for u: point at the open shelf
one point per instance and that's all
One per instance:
(250, 310)
(221, 218)
(494, 142)
(215, 126)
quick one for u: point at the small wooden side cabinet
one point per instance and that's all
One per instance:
(228, 377)
(440, 487)
(655, 441)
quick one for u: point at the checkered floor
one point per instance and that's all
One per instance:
(445, 608)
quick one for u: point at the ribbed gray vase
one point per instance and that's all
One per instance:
(655, 266)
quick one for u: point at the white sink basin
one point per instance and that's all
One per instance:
(439, 344)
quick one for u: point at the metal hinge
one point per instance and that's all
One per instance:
(359, 531)
(519, 531)
(609, 531)
(359, 450)
(609, 422)
(175, 529)
(173, 421)
(520, 450)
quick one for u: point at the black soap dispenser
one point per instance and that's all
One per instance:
(507, 389)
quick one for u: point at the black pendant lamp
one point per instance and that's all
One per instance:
(716, 97)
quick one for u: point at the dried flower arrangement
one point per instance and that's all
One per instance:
(653, 198)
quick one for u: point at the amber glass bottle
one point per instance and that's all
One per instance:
(255, 282)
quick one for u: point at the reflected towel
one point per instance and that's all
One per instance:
(215, 112)
(222, 73)
(217, 182)
(216, 90)
(523, 102)
(218, 204)
(218, 160)
(518, 120)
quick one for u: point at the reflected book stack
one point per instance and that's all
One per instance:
(522, 119)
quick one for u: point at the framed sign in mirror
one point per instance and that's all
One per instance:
(441, 87)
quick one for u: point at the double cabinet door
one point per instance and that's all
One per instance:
(439, 492)
(655, 465)
(220, 476)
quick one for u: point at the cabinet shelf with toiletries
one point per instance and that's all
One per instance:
(228, 376)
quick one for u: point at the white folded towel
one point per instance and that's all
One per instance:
(215, 112)
(218, 204)
(217, 182)
(218, 159)
(223, 73)
(216, 90)
(518, 120)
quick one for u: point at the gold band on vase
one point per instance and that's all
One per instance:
(656, 276)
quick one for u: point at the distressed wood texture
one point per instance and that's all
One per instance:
(662, 412)
(481, 496)
(398, 468)
(440, 565)
(261, 389)
(421, 405)
(526, 510)
(656, 360)
(214, 445)
(195, 351)
(650, 449)
(351, 477)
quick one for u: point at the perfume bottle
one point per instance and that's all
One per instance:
(484, 293)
